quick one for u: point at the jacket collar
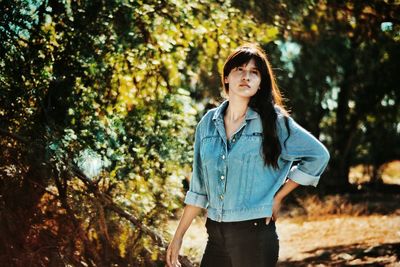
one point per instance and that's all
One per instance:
(250, 113)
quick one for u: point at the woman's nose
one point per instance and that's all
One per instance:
(245, 75)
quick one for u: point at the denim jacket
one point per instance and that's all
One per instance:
(229, 177)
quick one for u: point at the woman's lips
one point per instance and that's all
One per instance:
(244, 84)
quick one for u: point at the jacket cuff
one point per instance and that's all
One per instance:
(302, 178)
(196, 199)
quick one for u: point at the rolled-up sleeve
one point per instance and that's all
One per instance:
(312, 155)
(197, 194)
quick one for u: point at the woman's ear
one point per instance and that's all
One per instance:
(226, 80)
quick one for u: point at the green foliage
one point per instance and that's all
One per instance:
(339, 61)
(116, 88)
(107, 86)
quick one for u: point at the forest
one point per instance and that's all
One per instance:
(100, 99)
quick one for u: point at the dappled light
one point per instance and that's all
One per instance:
(99, 105)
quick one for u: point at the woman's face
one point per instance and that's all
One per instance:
(244, 81)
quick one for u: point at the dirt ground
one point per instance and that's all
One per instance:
(372, 240)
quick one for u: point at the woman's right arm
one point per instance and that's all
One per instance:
(196, 200)
(189, 213)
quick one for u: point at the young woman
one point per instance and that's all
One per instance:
(243, 154)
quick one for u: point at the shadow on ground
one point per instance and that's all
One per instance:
(350, 255)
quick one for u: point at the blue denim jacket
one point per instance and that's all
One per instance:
(229, 178)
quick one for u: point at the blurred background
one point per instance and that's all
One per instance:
(99, 101)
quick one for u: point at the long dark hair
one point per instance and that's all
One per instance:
(264, 100)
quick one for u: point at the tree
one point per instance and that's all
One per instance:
(97, 122)
(339, 59)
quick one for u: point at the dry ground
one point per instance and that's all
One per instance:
(345, 240)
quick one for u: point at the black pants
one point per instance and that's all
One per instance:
(249, 243)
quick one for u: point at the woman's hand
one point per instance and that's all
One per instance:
(275, 210)
(289, 186)
(173, 252)
(189, 213)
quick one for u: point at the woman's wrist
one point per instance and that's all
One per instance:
(178, 235)
(279, 197)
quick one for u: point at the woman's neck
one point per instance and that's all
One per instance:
(236, 109)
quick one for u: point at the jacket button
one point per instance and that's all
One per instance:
(221, 196)
(223, 156)
(233, 140)
(222, 177)
(255, 223)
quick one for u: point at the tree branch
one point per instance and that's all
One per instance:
(107, 201)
